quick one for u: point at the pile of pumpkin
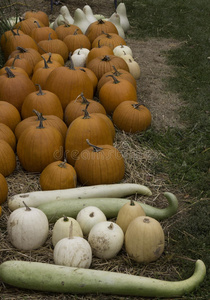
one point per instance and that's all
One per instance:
(62, 90)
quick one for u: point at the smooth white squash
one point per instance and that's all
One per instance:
(37, 198)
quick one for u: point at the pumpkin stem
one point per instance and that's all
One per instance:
(9, 72)
(49, 60)
(62, 164)
(100, 21)
(108, 36)
(65, 218)
(41, 126)
(106, 58)
(26, 206)
(40, 92)
(45, 63)
(75, 32)
(116, 72)
(114, 78)
(86, 114)
(37, 23)
(95, 148)
(39, 115)
(21, 49)
(49, 37)
(146, 220)
(91, 214)
(14, 33)
(136, 105)
(111, 226)
(132, 203)
(99, 43)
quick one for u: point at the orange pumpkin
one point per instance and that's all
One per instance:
(7, 159)
(111, 40)
(98, 27)
(30, 54)
(102, 64)
(132, 116)
(50, 62)
(45, 101)
(58, 175)
(75, 108)
(14, 88)
(39, 15)
(27, 25)
(66, 29)
(20, 62)
(42, 33)
(7, 135)
(116, 91)
(9, 115)
(38, 146)
(90, 126)
(76, 41)
(99, 51)
(4, 189)
(101, 164)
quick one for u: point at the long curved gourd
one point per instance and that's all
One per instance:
(61, 279)
(110, 207)
(34, 199)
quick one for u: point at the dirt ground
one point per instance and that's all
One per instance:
(150, 54)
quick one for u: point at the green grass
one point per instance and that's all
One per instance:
(186, 152)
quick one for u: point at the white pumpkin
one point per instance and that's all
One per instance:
(134, 68)
(66, 14)
(73, 251)
(106, 239)
(88, 217)
(61, 229)
(27, 228)
(121, 49)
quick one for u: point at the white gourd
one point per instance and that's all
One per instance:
(99, 16)
(88, 217)
(89, 13)
(73, 251)
(27, 228)
(119, 50)
(106, 239)
(134, 68)
(61, 229)
(66, 14)
(58, 21)
(126, 57)
(115, 19)
(121, 10)
(79, 59)
(80, 20)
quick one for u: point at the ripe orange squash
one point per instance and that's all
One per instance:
(39, 15)
(14, 88)
(47, 57)
(114, 92)
(7, 159)
(66, 29)
(20, 62)
(98, 27)
(45, 101)
(76, 41)
(38, 146)
(58, 175)
(91, 126)
(111, 40)
(30, 54)
(99, 51)
(7, 135)
(75, 108)
(132, 117)
(102, 64)
(9, 115)
(3, 188)
(27, 25)
(101, 164)
(42, 33)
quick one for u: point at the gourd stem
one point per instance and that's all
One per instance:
(45, 63)
(75, 32)
(14, 33)
(9, 72)
(136, 105)
(65, 218)
(49, 60)
(39, 115)
(91, 214)
(116, 72)
(146, 220)
(21, 49)
(114, 78)
(95, 148)
(111, 226)
(37, 23)
(41, 126)
(84, 100)
(106, 58)
(107, 35)
(40, 92)
(86, 114)
(49, 37)
(62, 164)
(132, 203)
(26, 206)
(99, 43)
(100, 21)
